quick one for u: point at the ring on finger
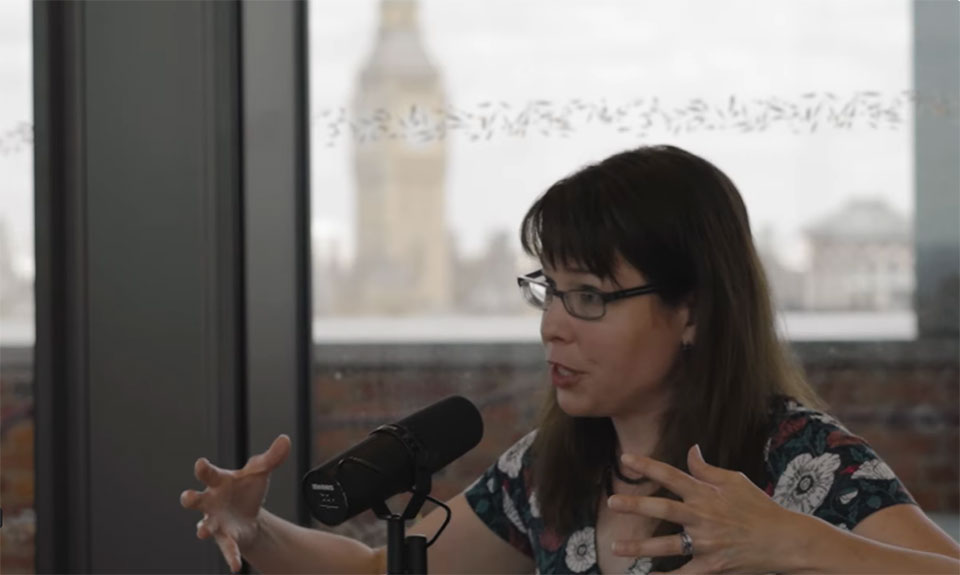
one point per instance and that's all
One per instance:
(687, 543)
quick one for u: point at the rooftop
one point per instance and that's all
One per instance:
(863, 219)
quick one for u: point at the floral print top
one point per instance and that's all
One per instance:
(814, 466)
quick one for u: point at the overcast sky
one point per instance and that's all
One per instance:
(518, 51)
(522, 50)
(16, 107)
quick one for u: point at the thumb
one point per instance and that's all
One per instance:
(700, 469)
(271, 458)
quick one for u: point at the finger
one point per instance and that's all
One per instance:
(656, 507)
(666, 546)
(208, 473)
(271, 458)
(231, 552)
(203, 532)
(666, 475)
(702, 470)
(191, 499)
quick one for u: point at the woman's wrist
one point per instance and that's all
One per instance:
(254, 539)
(800, 543)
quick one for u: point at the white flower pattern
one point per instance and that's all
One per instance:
(806, 481)
(581, 554)
(874, 469)
(846, 498)
(510, 510)
(810, 482)
(511, 462)
(534, 505)
(794, 407)
(642, 566)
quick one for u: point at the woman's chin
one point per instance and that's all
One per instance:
(575, 404)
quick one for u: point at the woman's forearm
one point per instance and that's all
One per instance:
(283, 547)
(822, 548)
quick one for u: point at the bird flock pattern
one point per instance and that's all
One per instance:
(640, 118)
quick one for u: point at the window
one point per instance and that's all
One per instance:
(435, 124)
(16, 290)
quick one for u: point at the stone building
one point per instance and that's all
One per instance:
(861, 259)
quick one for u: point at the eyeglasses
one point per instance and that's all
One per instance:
(587, 303)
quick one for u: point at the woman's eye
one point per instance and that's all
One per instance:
(588, 298)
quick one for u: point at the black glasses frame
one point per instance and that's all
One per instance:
(551, 291)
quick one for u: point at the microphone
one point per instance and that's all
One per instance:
(388, 461)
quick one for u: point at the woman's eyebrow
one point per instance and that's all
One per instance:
(579, 283)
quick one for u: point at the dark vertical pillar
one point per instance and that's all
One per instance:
(937, 167)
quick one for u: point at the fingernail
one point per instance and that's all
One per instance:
(699, 453)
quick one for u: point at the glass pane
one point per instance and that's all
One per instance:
(435, 124)
(505, 109)
(16, 289)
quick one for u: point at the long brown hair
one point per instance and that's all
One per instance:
(680, 221)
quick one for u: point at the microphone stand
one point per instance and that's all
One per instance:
(406, 555)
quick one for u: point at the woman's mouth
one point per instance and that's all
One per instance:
(562, 376)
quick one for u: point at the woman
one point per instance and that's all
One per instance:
(663, 357)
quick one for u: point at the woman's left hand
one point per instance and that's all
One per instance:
(733, 525)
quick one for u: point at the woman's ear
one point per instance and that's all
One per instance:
(688, 316)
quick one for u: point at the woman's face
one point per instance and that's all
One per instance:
(615, 366)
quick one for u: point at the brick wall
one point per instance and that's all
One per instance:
(907, 406)
(900, 398)
(16, 471)
(903, 398)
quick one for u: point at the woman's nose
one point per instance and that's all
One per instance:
(555, 323)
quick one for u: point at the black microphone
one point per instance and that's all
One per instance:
(388, 460)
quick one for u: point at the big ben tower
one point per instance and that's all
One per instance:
(403, 262)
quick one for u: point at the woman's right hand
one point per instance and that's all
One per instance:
(232, 499)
